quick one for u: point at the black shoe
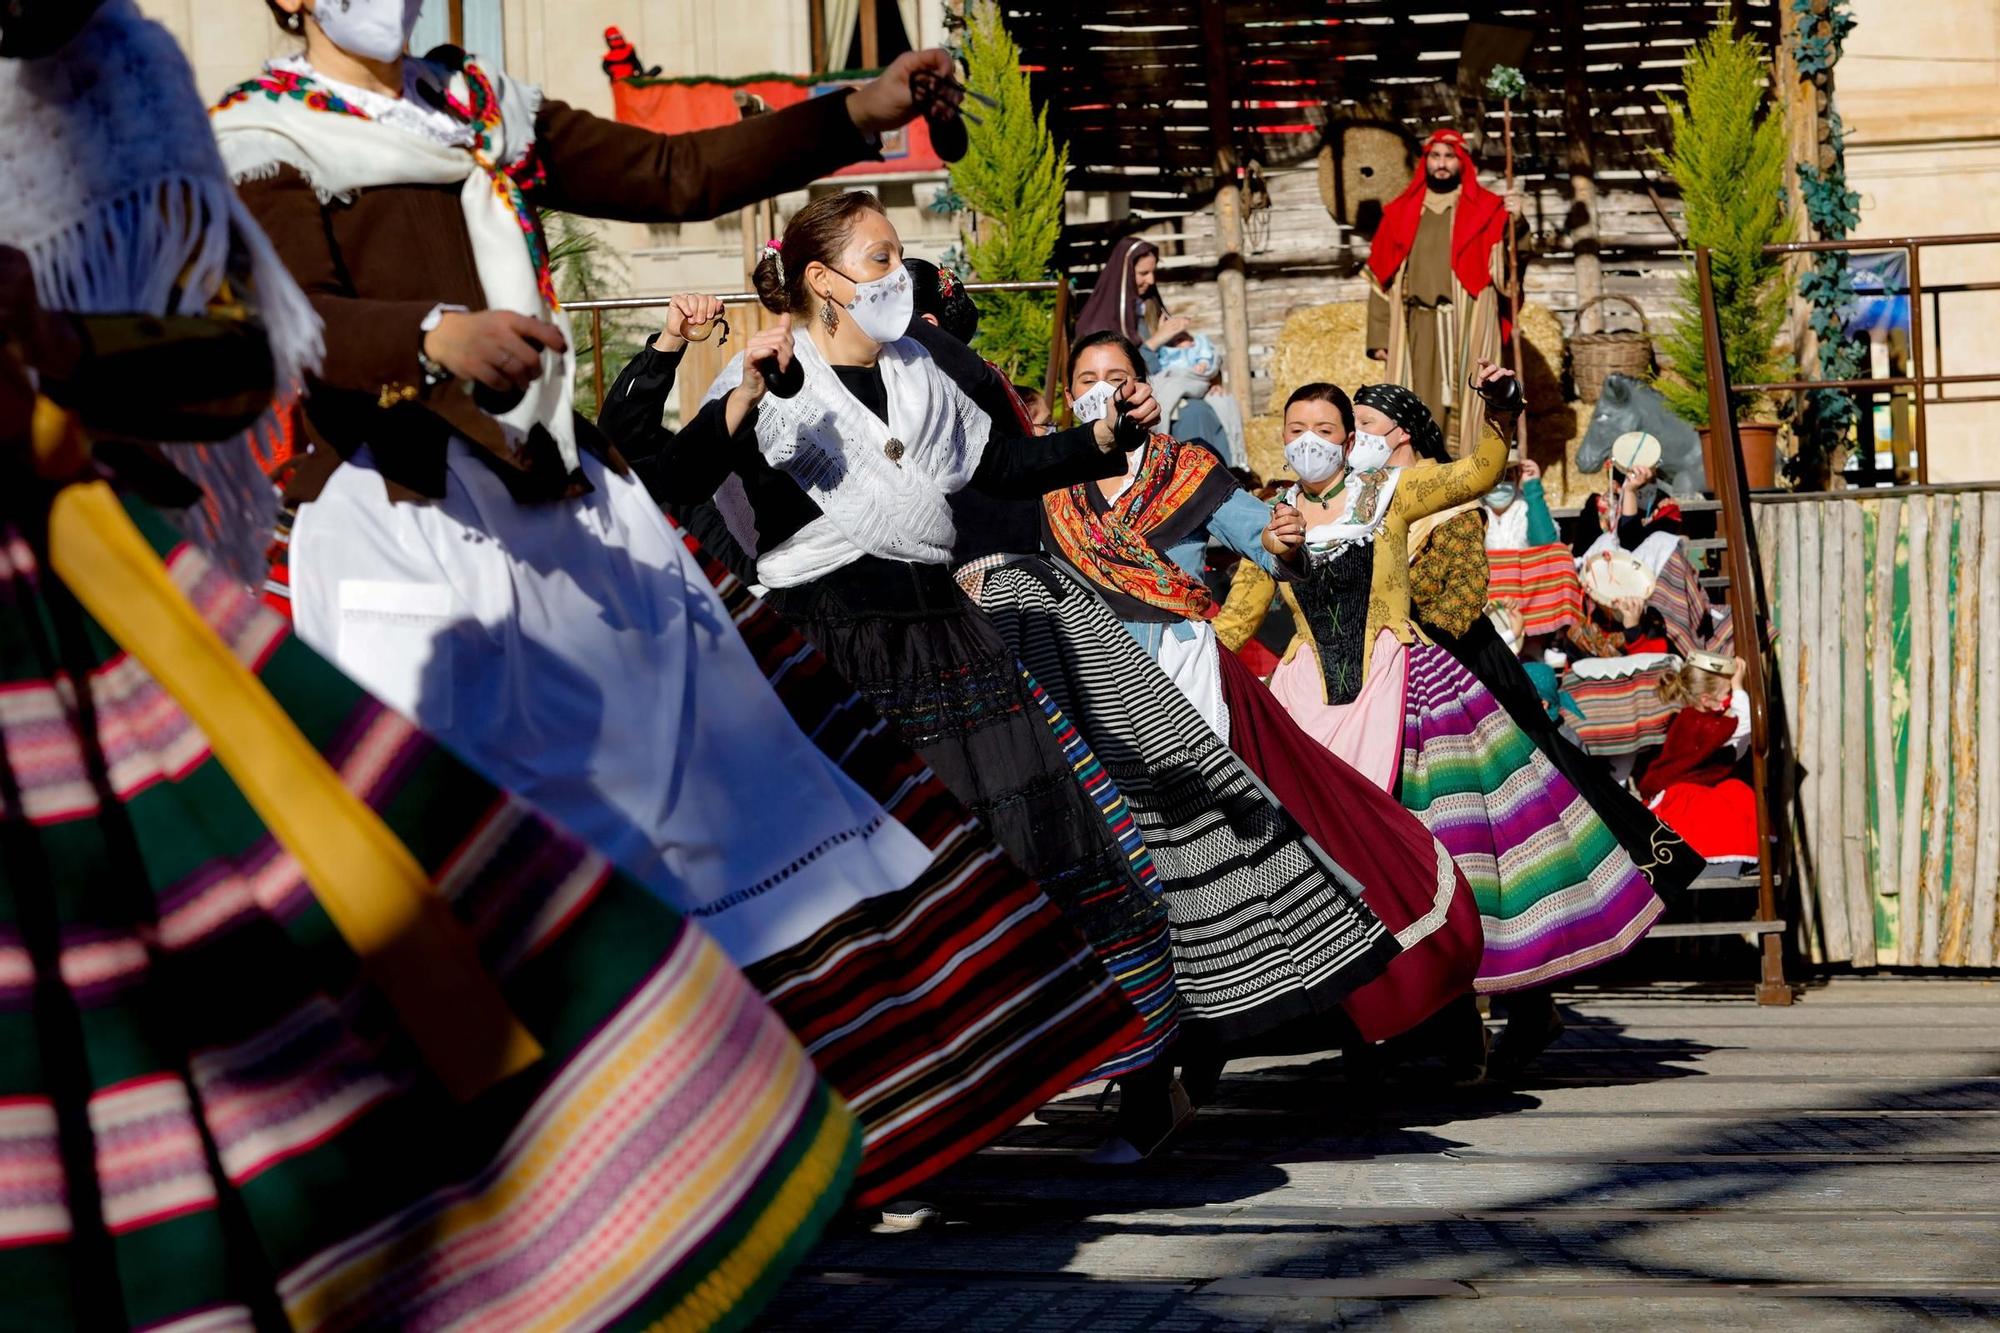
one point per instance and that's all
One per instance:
(1522, 1040)
(1146, 1124)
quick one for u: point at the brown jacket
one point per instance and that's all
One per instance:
(375, 266)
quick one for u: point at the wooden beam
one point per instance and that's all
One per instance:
(1955, 931)
(1986, 763)
(816, 40)
(1231, 283)
(1582, 161)
(871, 37)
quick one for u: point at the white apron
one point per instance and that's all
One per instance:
(575, 654)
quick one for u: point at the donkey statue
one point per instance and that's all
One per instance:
(1627, 405)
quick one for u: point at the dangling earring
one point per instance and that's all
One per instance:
(295, 22)
(829, 316)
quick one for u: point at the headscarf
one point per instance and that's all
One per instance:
(1113, 303)
(1479, 222)
(1408, 411)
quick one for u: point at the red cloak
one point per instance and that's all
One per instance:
(1479, 222)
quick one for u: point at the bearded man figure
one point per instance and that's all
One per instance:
(1435, 290)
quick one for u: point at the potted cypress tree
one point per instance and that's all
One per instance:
(1012, 179)
(1728, 157)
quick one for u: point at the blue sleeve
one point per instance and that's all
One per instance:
(1149, 355)
(1541, 524)
(1239, 524)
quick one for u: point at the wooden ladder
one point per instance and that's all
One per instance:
(1739, 580)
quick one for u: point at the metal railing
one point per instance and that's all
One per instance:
(1058, 347)
(1917, 381)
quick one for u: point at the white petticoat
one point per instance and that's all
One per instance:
(576, 655)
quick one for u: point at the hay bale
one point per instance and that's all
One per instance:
(1323, 342)
(1329, 342)
(1552, 441)
(1362, 166)
(1264, 441)
(1542, 358)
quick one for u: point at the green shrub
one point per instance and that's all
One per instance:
(1728, 157)
(1012, 178)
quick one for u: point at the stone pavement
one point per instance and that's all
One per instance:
(1681, 1158)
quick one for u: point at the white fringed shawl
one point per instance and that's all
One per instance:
(340, 154)
(838, 452)
(110, 182)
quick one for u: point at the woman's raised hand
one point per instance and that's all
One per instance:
(1134, 403)
(688, 310)
(772, 348)
(1285, 534)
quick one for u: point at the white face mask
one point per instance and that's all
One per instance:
(882, 309)
(1313, 458)
(372, 29)
(1369, 453)
(1094, 402)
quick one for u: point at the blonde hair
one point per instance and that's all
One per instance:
(1690, 683)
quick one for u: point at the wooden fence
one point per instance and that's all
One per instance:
(1885, 606)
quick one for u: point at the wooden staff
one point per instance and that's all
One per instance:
(1514, 273)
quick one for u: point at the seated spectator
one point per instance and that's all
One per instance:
(1696, 783)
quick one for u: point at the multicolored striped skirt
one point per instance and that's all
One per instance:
(1556, 892)
(1542, 581)
(1622, 711)
(211, 1115)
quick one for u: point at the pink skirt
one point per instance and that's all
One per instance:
(1368, 733)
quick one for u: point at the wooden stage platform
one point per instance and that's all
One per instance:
(1681, 1158)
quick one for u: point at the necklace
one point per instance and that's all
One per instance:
(1323, 496)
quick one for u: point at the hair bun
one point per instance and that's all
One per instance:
(769, 280)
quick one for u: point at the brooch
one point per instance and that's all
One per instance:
(894, 450)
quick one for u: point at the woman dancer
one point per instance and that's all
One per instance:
(1141, 542)
(491, 569)
(842, 495)
(1556, 891)
(306, 1025)
(1241, 881)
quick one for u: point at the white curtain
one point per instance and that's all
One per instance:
(843, 20)
(912, 22)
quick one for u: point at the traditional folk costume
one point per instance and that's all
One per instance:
(1133, 932)
(842, 495)
(504, 581)
(1556, 890)
(1142, 551)
(1448, 592)
(302, 1023)
(1435, 269)
(1697, 782)
(1528, 565)
(1264, 932)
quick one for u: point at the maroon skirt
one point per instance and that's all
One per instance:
(1404, 874)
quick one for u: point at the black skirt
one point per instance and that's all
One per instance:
(1661, 854)
(913, 645)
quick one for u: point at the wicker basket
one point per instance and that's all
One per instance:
(1593, 356)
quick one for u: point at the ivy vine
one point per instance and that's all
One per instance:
(1834, 210)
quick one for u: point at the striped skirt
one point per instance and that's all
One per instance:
(1556, 892)
(213, 1113)
(946, 1012)
(1267, 930)
(1542, 581)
